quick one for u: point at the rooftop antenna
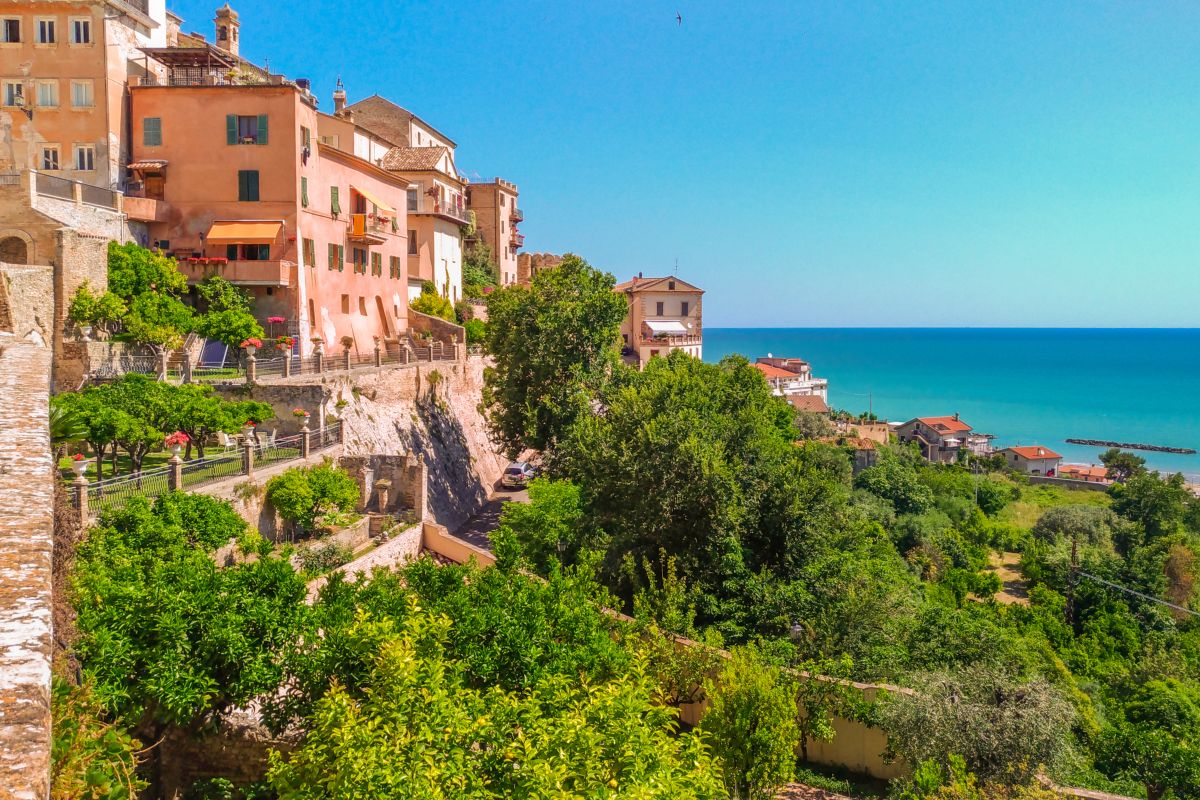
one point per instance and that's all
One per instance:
(676, 272)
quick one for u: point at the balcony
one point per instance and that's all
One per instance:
(245, 273)
(668, 340)
(143, 209)
(448, 210)
(367, 229)
(517, 239)
(516, 215)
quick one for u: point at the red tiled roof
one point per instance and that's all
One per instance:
(1033, 452)
(1082, 472)
(399, 159)
(946, 424)
(808, 402)
(772, 371)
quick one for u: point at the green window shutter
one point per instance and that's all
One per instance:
(341, 258)
(332, 255)
(243, 184)
(376, 264)
(231, 252)
(262, 128)
(231, 129)
(152, 131)
(304, 191)
(335, 207)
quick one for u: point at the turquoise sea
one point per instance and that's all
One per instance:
(1026, 386)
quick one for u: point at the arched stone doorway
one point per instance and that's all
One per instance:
(14, 250)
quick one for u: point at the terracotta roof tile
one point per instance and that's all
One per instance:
(946, 424)
(808, 402)
(1033, 452)
(400, 159)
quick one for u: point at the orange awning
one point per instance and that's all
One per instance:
(382, 206)
(236, 232)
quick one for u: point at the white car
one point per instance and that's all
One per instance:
(517, 475)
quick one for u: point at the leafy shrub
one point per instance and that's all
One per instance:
(476, 331)
(209, 521)
(434, 305)
(319, 560)
(90, 756)
(303, 495)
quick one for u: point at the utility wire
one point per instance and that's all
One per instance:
(1120, 588)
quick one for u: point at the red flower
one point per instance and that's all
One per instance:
(77, 457)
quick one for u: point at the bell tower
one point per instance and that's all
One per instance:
(227, 29)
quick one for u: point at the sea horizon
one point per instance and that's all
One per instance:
(1025, 385)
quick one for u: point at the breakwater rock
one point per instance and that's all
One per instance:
(1187, 451)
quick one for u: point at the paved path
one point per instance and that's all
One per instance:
(478, 528)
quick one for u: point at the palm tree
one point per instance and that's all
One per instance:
(66, 426)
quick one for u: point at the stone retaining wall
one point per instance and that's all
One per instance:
(26, 548)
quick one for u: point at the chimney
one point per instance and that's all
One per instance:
(956, 416)
(339, 98)
(227, 29)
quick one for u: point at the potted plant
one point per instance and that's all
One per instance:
(347, 342)
(248, 429)
(318, 345)
(251, 345)
(301, 414)
(176, 442)
(79, 464)
(285, 343)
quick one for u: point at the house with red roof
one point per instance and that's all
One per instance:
(664, 315)
(1032, 460)
(792, 377)
(1085, 473)
(941, 439)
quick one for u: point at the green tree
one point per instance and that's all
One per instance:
(422, 732)
(1122, 465)
(553, 345)
(752, 725)
(898, 482)
(1157, 504)
(478, 271)
(1153, 757)
(823, 691)
(90, 756)
(195, 410)
(547, 530)
(88, 308)
(305, 494)
(476, 331)
(811, 425)
(228, 313)
(134, 271)
(1006, 729)
(432, 303)
(67, 426)
(167, 636)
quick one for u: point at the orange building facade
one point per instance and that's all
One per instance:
(497, 217)
(246, 190)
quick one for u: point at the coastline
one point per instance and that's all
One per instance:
(1025, 385)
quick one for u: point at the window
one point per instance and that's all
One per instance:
(412, 199)
(248, 252)
(671, 285)
(47, 94)
(658, 309)
(11, 30)
(412, 243)
(304, 191)
(222, 34)
(247, 185)
(310, 252)
(305, 138)
(245, 129)
(362, 306)
(46, 34)
(502, 226)
(359, 256)
(14, 93)
(85, 157)
(49, 156)
(81, 31)
(377, 264)
(335, 206)
(152, 131)
(345, 304)
(683, 309)
(394, 267)
(337, 257)
(81, 94)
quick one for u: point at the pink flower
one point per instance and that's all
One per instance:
(178, 438)
(251, 343)
(275, 320)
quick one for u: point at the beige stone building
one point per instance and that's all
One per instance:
(664, 315)
(494, 204)
(530, 264)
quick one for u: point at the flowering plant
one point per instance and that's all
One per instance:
(299, 413)
(177, 439)
(252, 342)
(77, 457)
(285, 342)
(275, 320)
(250, 424)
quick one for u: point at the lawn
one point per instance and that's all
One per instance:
(1034, 501)
(220, 468)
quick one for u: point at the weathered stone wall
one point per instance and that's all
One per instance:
(26, 546)
(27, 301)
(399, 410)
(81, 257)
(237, 752)
(438, 328)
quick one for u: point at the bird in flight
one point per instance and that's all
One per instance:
(678, 18)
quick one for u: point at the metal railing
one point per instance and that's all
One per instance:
(285, 448)
(54, 186)
(10, 179)
(268, 367)
(115, 492)
(215, 467)
(218, 373)
(329, 435)
(97, 196)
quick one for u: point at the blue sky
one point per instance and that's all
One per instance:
(811, 164)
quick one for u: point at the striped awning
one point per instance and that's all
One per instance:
(244, 232)
(382, 206)
(148, 164)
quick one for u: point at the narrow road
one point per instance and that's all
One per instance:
(477, 530)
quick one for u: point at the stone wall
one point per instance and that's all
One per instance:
(398, 410)
(27, 301)
(26, 546)
(238, 752)
(440, 329)
(81, 257)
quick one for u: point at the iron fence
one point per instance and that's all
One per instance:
(115, 492)
(329, 435)
(286, 448)
(199, 471)
(217, 373)
(97, 196)
(269, 367)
